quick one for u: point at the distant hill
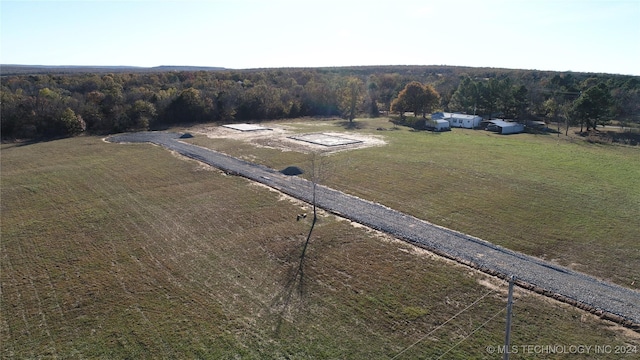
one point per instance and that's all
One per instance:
(407, 70)
(185, 68)
(11, 69)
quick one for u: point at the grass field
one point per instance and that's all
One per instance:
(570, 202)
(126, 251)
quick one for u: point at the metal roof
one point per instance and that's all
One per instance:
(503, 123)
(460, 116)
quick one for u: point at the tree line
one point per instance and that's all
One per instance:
(57, 105)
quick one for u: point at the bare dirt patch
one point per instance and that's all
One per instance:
(278, 137)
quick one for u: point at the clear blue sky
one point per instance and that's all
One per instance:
(575, 35)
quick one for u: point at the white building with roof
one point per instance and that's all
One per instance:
(458, 120)
(504, 127)
(437, 125)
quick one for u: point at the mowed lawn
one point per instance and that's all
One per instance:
(127, 251)
(570, 202)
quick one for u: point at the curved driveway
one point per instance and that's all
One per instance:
(611, 301)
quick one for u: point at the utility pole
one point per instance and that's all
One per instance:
(507, 335)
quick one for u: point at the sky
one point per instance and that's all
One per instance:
(559, 35)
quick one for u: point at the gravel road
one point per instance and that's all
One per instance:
(610, 301)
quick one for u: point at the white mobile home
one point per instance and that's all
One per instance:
(458, 120)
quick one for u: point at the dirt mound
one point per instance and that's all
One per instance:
(292, 171)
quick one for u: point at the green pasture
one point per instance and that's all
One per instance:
(126, 251)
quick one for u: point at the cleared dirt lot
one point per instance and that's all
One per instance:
(279, 137)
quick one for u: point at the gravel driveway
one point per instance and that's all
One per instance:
(608, 300)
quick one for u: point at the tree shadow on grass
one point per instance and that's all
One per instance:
(351, 125)
(545, 131)
(9, 143)
(295, 284)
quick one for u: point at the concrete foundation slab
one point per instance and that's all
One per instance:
(325, 139)
(246, 127)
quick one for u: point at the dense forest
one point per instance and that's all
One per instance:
(55, 104)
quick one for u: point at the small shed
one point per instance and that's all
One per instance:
(437, 125)
(504, 127)
(458, 120)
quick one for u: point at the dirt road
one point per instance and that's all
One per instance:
(608, 300)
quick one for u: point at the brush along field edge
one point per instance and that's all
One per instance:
(610, 301)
